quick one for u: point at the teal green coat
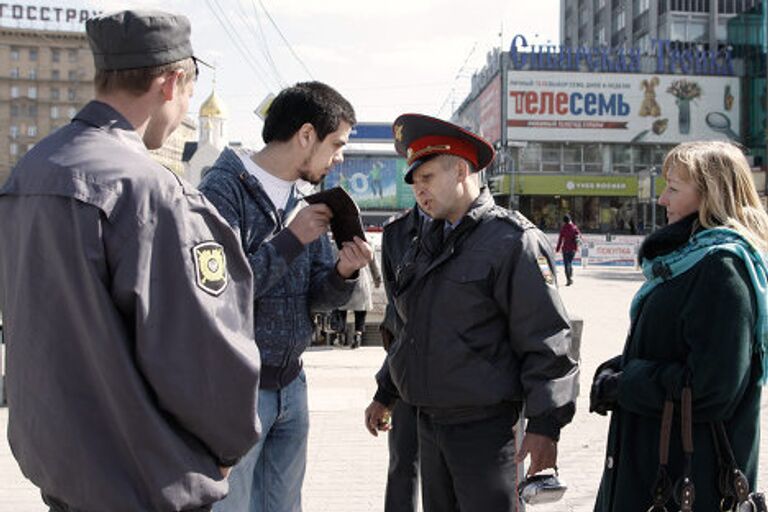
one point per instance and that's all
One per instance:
(702, 320)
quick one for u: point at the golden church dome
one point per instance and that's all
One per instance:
(212, 107)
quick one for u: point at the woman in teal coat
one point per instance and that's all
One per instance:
(701, 319)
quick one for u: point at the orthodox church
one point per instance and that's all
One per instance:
(199, 156)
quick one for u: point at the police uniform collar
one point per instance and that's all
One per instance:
(103, 116)
(482, 204)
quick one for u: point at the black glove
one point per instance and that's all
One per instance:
(605, 391)
(605, 386)
(613, 363)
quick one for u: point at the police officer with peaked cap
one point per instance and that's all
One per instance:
(132, 371)
(484, 330)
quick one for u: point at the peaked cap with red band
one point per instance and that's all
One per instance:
(418, 137)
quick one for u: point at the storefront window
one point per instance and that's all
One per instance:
(550, 157)
(593, 158)
(531, 157)
(697, 31)
(616, 215)
(621, 156)
(572, 158)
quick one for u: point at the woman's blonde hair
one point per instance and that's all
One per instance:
(721, 175)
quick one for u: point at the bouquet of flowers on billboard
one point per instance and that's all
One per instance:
(684, 91)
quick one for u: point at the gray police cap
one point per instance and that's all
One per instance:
(138, 39)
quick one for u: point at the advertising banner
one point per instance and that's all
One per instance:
(574, 185)
(483, 114)
(653, 109)
(374, 182)
(489, 115)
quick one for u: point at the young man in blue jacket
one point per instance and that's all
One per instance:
(305, 131)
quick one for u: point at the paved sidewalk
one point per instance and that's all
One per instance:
(347, 466)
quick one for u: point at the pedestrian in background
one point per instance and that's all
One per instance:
(360, 302)
(699, 320)
(295, 272)
(401, 494)
(484, 330)
(568, 242)
(132, 371)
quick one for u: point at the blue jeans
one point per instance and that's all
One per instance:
(270, 476)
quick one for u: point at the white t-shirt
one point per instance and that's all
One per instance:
(278, 190)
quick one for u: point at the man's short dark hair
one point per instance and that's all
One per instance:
(307, 102)
(566, 218)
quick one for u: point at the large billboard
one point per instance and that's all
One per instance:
(654, 109)
(374, 182)
(483, 114)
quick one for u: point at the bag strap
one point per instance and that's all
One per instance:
(733, 485)
(662, 487)
(686, 490)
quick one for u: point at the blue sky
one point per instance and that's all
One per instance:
(386, 57)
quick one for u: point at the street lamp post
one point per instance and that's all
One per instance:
(654, 173)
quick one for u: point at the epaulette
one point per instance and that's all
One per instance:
(516, 218)
(397, 217)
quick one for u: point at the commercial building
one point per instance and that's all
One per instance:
(584, 129)
(641, 23)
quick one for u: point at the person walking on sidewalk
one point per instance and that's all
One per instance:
(360, 302)
(132, 371)
(568, 242)
(699, 320)
(295, 272)
(484, 329)
(401, 493)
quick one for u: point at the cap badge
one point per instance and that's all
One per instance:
(399, 132)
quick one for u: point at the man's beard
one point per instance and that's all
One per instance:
(305, 174)
(312, 180)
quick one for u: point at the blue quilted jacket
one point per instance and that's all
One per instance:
(290, 279)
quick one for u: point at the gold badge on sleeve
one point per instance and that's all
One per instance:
(546, 272)
(210, 267)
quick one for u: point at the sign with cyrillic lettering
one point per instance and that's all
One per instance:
(656, 109)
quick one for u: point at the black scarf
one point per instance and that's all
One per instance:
(669, 238)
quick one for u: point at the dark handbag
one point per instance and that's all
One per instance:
(733, 485)
(683, 491)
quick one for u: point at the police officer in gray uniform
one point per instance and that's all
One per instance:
(132, 370)
(484, 330)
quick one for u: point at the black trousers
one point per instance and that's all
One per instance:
(468, 467)
(568, 263)
(402, 492)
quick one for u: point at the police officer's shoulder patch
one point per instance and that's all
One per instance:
(516, 218)
(210, 267)
(546, 270)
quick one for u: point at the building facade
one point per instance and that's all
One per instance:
(638, 23)
(45, 78)
(584, 129)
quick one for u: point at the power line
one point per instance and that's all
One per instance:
(265, 43)
(233, 36)
(456, 78)
(269, 16)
